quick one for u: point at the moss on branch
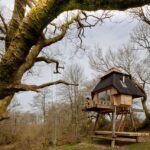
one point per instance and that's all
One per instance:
(93, 5)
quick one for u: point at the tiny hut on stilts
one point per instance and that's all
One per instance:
(114, 96)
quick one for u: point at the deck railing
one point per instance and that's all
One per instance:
(95, 103)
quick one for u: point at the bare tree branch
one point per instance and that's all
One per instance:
(48, 61)
(141, 34)
(4, 103)
(142, 14)
(25, 87)
(3, 21)
(2, 38)
(2, 30)
(84, 21)
(63, 28)
(36, 49)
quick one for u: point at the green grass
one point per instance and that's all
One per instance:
(139, 146)
(65, 147)
(89, 146)
(83, 146)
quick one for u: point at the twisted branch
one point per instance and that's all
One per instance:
(25, 87)
(63, 29)
(35, 50)
(2, 38)
(4, 23)
(49, 61)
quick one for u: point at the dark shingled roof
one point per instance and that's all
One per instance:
(119, 81)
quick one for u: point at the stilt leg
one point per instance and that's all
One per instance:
(113, 127)
(113, 143)
(120, 123)
(124, 122)
(132, 119)
(97, 117)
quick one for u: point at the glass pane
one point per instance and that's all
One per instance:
(104, 96)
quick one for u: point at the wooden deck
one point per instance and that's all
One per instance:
(107, 107)
(122, 139)
(123, 134)
(97, 103)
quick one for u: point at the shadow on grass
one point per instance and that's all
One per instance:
(122, 145)
(102, 142)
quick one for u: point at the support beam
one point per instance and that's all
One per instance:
(120, 123)
(97, 118)
(132, 119)
(113, 127)
(124, 122)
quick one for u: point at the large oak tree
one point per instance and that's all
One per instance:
(24, 38)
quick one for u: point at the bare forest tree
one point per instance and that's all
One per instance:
(141, 34)
(73, 96)
(41, 104)
(130, 61)
(25, 38)
(141, 38)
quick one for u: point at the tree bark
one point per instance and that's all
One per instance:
(3, 107)
(92, 5)
(26, 36)
(147, 114)
(146, 111)
(17, 17)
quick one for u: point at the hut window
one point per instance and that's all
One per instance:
(104, 96)
(123, 84)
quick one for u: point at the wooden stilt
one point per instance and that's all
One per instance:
(132, 119)
(113, 127)
(120, 123)
(97, 117)
(117, 116)
(124, 122)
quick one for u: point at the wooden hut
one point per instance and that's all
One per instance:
(114, 96)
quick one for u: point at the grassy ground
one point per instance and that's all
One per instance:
(141, 146)
(101, 145)
(96, 146)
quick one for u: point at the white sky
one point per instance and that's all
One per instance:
(7, 3)
(109, 35)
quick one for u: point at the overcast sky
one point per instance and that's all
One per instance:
(111, 34)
